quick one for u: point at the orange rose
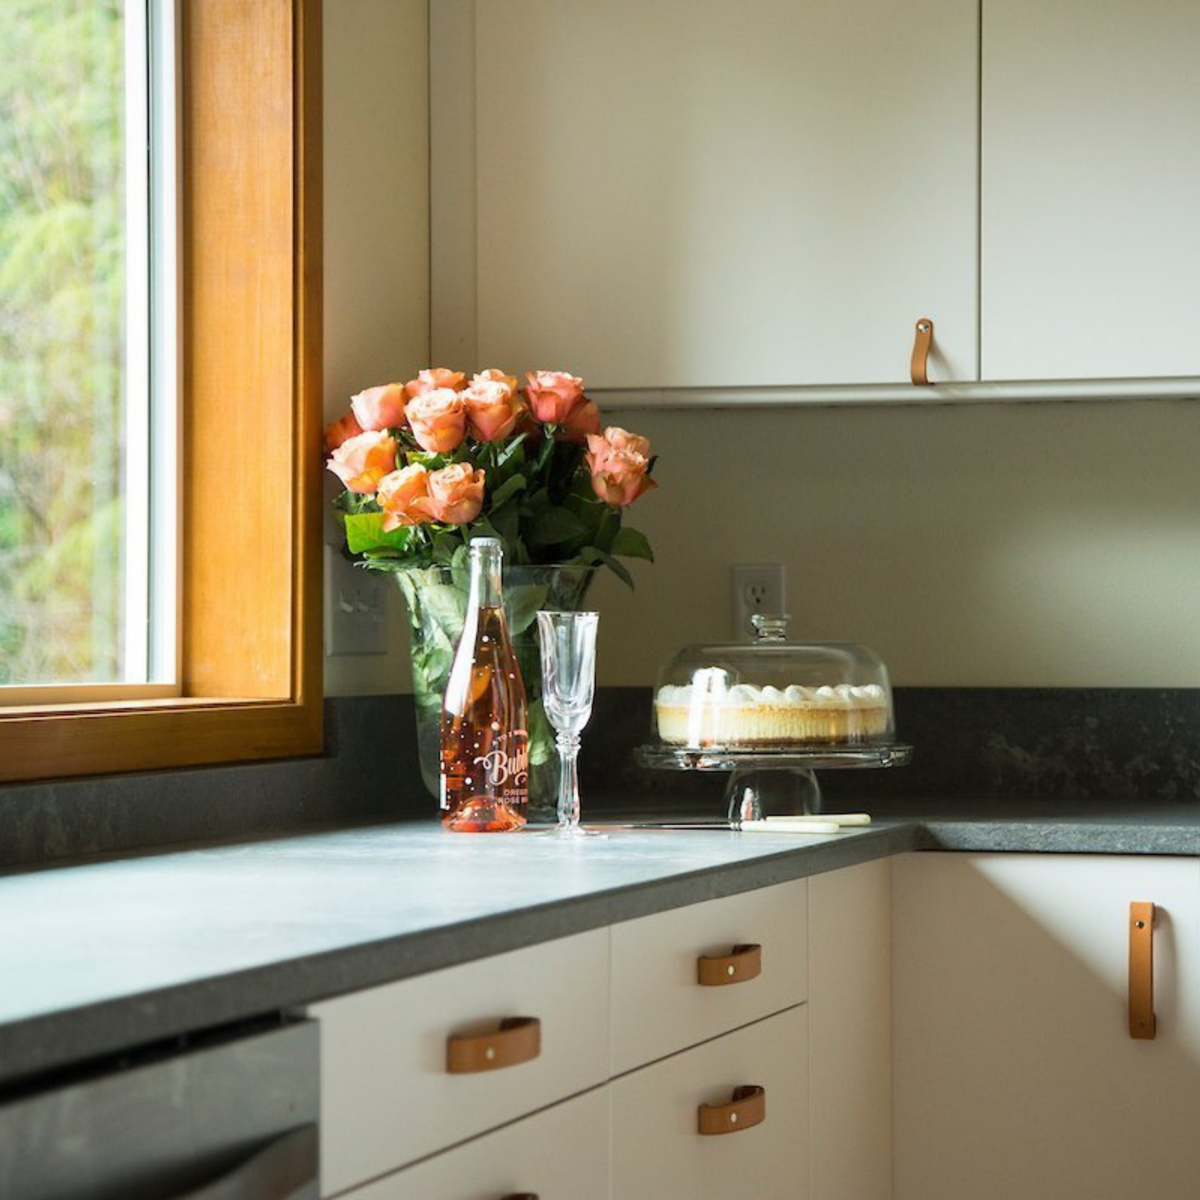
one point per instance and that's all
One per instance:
(438, 420)
(379, 407)
(554, 395)
(360, 462)
(401, 495)
(581, 421)
(455, 494)
(495, 376)
(433, 378)
(618, 461)
(492, 408)
(343, 428)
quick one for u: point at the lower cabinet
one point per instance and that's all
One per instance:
(753, 1088)
(561, 1153)
(1016, 1077)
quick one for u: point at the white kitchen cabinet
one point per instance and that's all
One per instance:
(1090, 189)
(659, 1152)
(698, 194)
(850, 1032)
(387, 1097)
(1015, 1074)
(559, 1154)
(658, 1004)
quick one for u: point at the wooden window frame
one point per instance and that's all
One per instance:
(251, 418)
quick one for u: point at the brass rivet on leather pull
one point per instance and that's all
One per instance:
(920, 356)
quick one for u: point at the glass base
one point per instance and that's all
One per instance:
(756, 792)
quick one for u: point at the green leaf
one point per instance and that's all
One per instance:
(364, 532)
(633, 544)
(541, 735)
(521, 605)
(508, 489)
(553, 525)
(618, 568)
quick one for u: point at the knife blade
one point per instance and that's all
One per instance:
(774, 825)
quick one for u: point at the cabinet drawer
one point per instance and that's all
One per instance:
(659, 1005)
(387, 1096)
(559, 1154)
(658, 1151)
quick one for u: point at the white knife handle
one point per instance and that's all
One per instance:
(837, 818)
(788, 825)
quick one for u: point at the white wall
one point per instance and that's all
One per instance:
(376, 144)
(1003, 545)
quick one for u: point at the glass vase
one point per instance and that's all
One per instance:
(436, 599)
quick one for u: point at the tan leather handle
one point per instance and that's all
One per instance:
(740, 964)
(920, 355)
(516, 1040)
(747, 1108)
(1141, 969)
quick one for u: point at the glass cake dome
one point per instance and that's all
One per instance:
(773, 695)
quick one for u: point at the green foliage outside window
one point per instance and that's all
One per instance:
(62, 279)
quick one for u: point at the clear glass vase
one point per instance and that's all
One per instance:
(436, 598)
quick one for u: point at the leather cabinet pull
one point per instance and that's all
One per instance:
(516, 1040)
(739, 965)
(747, 1108)
(1141, 970)
(920, 354)
(521, 1196)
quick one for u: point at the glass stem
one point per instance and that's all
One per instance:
(568, 780)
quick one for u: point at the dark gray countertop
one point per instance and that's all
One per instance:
(101, 957)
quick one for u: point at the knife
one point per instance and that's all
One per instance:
(773, 825)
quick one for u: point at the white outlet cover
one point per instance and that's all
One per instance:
(757, 588)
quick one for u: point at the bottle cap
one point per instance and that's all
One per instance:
(485, 543)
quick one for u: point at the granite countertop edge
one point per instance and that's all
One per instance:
(57, 1038)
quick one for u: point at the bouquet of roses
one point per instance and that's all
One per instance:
(429, 464)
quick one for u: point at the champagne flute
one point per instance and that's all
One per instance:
(568, 643)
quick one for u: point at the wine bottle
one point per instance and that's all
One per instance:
(484, 785)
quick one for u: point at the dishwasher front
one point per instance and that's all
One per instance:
(229, 1116)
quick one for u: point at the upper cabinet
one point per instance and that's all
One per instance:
(1091, 189)
(696, 198)
(694, 193)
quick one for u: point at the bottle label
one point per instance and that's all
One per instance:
(502, 768)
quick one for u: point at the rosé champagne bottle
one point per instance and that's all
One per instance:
(485, 742)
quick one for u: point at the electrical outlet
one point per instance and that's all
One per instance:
(355, 608)
(757, 588)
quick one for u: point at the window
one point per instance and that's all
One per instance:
(249, 487)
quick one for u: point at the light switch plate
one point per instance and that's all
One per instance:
(355, 608)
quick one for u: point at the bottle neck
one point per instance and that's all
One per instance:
(485, 577)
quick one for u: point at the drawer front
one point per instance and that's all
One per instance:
(559, 1154)
(658, 1151)
(659, 1005)
(387, 1096)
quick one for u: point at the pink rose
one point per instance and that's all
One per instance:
(438, 420)
(581, 421)
(617, 461)
(554, 395)
(379, 407)
(402, 496)
(492, 409)
(343, 428)
(360, 462)
(455, 494)
(433, 378)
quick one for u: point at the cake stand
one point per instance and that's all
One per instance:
(766, 782)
